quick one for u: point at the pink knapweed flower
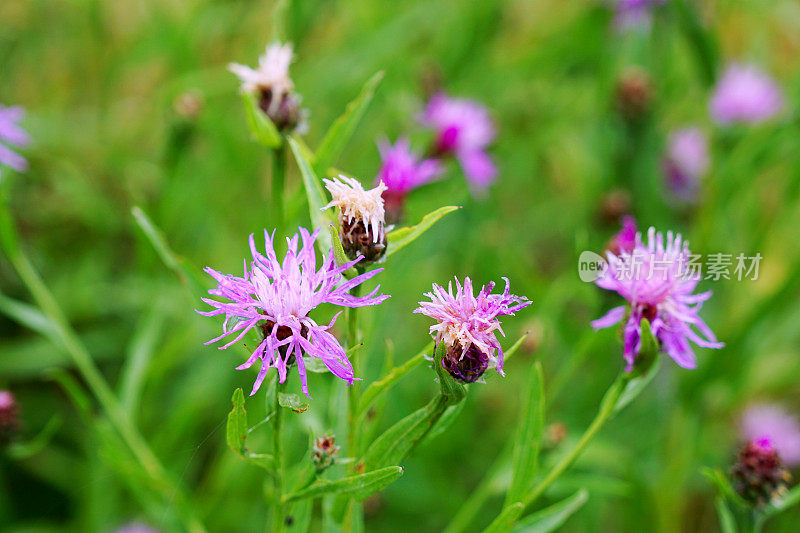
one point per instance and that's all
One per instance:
(745, 94)
(467, 324)
(625, 239)
(658, 281)
(463, 129)
(277, 298)
(771, 423)
(686, 162)
(402, 171)
(11, 134)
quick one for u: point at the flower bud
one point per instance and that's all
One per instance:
(325, 452)
(759, 475)
(466, 366)
(9, 421)
(634, 95)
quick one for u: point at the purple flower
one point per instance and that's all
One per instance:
(625, 239)
(686, 162)
(467, 325)
(745, 94)
(12, 134)
(463, 128)
(277, 298)
(633, 13)
(657, 282)
(773, 425)
(136, 527)
(402, 171)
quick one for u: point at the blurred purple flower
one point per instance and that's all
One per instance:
(657, 283)
(12, 134)
(745, 94)
(463, 129)
(625, 239)
(772, 424)
(633, 13)
(402, 171)
(467, 325)
(277, 297)
(686, 162)
(136, 527)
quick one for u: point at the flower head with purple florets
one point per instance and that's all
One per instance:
(11, 134)
(745, 94)
(658, 283)
(467, 324)
(402, 171)
(686, 162)
(771, 424)
(277, 298)
(464, 129)
(625, 239)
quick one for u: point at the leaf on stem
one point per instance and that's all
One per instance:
(553, 517)
(317, 199)
(402, 237)
(236, 431)
(261, 127)
(358, 487)
(292, 401)
(528, 437)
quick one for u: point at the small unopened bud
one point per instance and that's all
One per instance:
(759, 475)
(634, 94)
(9, 421)
(554, 434)
(283, 109)
(613, 205)
(325, 452)
(362, 221)
(189, 105)
(466, 366)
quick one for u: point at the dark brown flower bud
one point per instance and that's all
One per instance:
(466, 366)
(634, 95)
(759, 475)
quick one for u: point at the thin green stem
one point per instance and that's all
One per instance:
(604, 414)
(353, 399)
(278, 180)
(277, 452)
(94, 379)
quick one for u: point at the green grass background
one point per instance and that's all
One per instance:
(100, 79)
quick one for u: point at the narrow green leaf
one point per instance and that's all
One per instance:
(397, 441)
(514, 347)
(445, 421)
(137, 358)
(8, 232)
(505, 520)
(292, 401)
(187, 274)
(300, 514)
(28, 316)
(528, 438)
(553, 517)
(782, 503)
(261, 127)
(727, 523)
(723, 485)
(402, 237)
(382, 385)
(635, 385)
(343, 127)
(25, 450)
(701, 40)
(358, 487)
(338, 253)
(264, 460)
(316, 197)
(236, 431)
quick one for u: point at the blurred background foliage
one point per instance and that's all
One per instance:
(130, 104)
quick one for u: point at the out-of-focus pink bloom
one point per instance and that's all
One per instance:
(659, 286)
(402, 171)
(745, 94)
(277, 297)
(634, 13)
(772, 424)
(686, 162)
(463, 129)
(467, 325)
(11, 134)
(625, 239)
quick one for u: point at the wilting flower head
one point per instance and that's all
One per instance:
(745, 94)
(277, 297)
(758, 474)
(625, 239)
(773, 424)
(325, 452)
(467, 325)
(633, 13)
(463, 128)
(12, 134)
(362, 229)
(271, 83)
(401, 171)
(658, 283)
(686, 162)
(9, 422)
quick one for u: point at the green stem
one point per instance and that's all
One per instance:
(278, 179)
(277, 452)
(604, 414)
(94, 379)
(353, 399)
